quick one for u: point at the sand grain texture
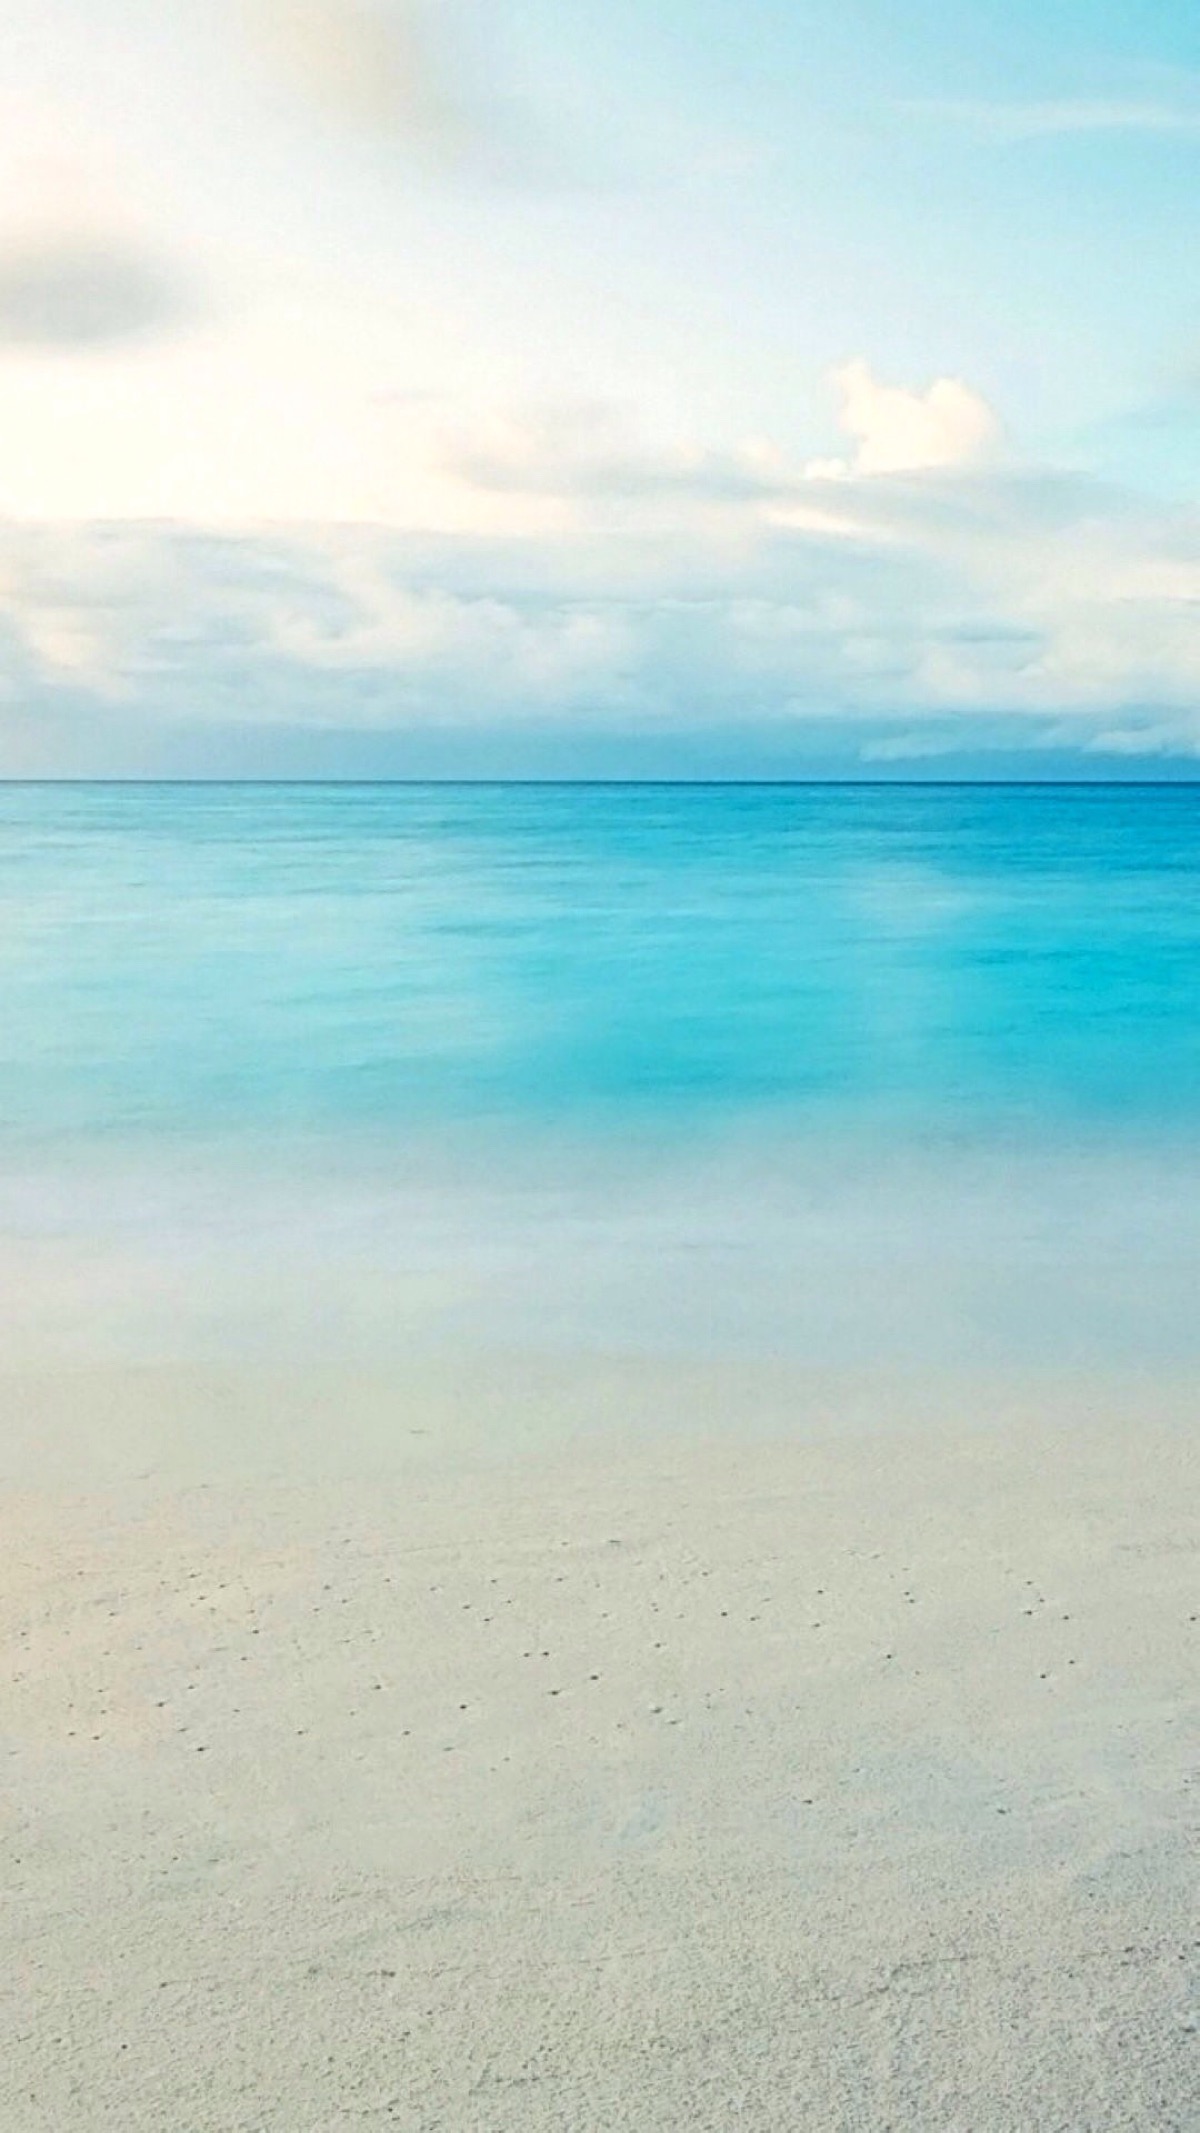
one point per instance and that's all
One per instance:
(775, 1785)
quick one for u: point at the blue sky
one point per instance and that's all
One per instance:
(407, 385)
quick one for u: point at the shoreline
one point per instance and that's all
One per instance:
(938, 1261)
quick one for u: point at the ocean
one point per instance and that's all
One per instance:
(897, 1074)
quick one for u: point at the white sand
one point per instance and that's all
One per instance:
(782, 1784)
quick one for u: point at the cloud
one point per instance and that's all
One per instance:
(411, 71)
(911, 746)
(84, 292)
(376, 66)
(982, 607)
(587, 453)
(903, 432)
(667, 589)
(1148, 738)
(1051, 117)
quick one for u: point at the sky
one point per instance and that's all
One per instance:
(576, 387)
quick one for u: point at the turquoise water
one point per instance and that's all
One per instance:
(884, 1072)
(177, 959)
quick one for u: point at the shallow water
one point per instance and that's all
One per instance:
(861, 1074)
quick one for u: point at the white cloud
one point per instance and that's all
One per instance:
(961, 597)
(1048, 117)
(598, 580)
(902, 432)
(587, 455)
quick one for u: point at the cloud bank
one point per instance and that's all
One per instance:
(926, 582)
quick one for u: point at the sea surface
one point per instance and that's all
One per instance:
(840, 1073)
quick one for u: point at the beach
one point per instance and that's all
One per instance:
(599, 1067)
(813, 1765)
(598, 1460)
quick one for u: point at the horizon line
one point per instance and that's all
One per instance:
(930, 784)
